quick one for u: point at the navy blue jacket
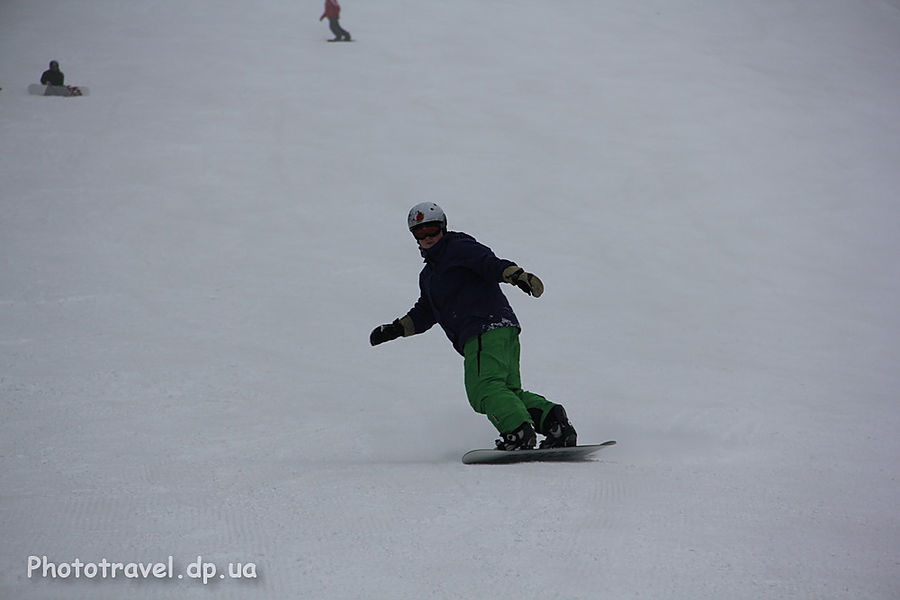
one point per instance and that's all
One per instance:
(460, 290)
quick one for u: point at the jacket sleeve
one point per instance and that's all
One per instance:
(481, 259)
(421, 318)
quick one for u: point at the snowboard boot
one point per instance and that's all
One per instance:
(558, 429)
(521, 438)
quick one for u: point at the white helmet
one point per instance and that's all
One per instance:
(426, 212)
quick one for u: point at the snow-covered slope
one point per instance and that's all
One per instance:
(194, 255)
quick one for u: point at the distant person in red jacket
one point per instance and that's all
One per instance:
(333, 12)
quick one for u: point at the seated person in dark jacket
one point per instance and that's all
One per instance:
(53, 76)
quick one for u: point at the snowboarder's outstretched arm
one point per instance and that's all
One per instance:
(419, 319)
(482, 260)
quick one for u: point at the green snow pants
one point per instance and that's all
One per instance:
(494, 384)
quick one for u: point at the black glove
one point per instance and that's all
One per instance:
(527, 282)
(386, 333)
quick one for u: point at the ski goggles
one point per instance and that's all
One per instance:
(426, 230)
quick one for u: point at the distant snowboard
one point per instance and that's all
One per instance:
(503, 457)
(37, 89)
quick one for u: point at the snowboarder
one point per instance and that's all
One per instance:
(54, 80)
(459, 290)
(53, 76)
(333, 12)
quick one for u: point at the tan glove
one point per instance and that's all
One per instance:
(527, 282)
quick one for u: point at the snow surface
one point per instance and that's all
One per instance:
(194, 255)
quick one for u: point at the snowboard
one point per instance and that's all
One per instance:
(505, 457)
(39, 89)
